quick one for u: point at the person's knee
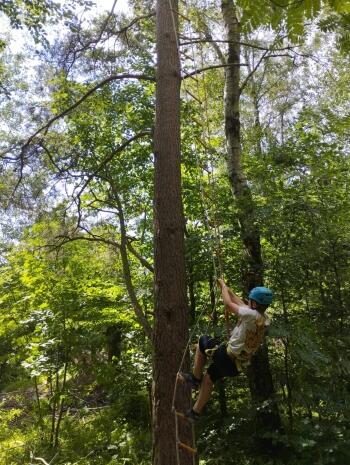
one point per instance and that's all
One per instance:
(202, 341)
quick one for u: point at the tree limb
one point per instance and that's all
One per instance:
(127, 273)
(68, 110)
(123, 30)
(245, 82)
(40, 459)
(134, 21)
(198, 71)
(83, 98)
(111, 156)
(122, 247)
(142, 260)
(246, 44)
(93, 41)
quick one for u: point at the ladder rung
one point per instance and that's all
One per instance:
(186, 447)
(180, 414)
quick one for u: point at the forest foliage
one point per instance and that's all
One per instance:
(76, 196)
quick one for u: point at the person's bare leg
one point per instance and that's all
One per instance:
(204, 394)
(199, 362)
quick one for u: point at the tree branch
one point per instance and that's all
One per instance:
(40, 459)
(245, 82)
(49, 123)
(123, 30)
(122, 247)
(111, 156)
(134, 21)
(126, 270)
(198, 71)
(142, 260)
(246, 44)
(85, 46)
(83, 98)
(286, 5)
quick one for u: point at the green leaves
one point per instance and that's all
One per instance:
(291, 16)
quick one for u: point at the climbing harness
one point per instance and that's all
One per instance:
(236, 360)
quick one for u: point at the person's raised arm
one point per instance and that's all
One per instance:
(231, 301)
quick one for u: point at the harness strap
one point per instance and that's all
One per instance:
(211, 351)
(234, 358)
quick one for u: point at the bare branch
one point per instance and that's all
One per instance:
(46, 126)
(105, 24)
(94, 238)
(123, 30)
(38, 459)
(141, 259)
(246, 44)
(50, 157)
(198, 71)
(134, 21)
(245, 82)
(84, 47)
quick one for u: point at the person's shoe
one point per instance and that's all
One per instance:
(189, 378)
(192, 416)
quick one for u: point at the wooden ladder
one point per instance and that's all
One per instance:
(190, 448)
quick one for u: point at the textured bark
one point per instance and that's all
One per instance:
(171, 310)
(250, 235)
(260, 379)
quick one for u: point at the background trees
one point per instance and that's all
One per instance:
(77, 300)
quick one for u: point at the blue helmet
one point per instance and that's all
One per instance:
(262, 295)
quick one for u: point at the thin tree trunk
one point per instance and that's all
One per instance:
(61, 405)
(54, 409)
(140, 315)
(286, 365)
(253, 274)
(171, 310)
(254, 94)
(288, 385)
(259, 373)
(41, 421)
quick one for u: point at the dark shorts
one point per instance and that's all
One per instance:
(221, 365)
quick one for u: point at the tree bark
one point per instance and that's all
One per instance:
(259, 374)
(171, 309)
(253, 275)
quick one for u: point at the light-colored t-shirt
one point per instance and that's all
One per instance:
(248, 334)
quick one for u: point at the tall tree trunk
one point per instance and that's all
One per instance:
(171, 310)
(250, 234)
(259, 374)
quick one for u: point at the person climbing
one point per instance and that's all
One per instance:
(228, 359)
